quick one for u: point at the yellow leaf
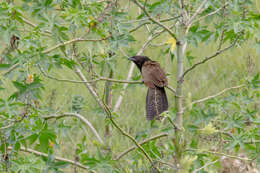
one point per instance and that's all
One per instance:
(29, 79)
(51, 144)
(91, 18)
(172, 42)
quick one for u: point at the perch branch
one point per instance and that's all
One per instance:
(28, 150)
(90, 81)
(82, 118)
(100, 78)
(141, 143)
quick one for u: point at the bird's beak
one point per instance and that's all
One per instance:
(131, 59)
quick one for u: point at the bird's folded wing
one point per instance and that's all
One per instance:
(153, 75)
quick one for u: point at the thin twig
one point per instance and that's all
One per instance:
(10, 69)
(206, 165)
(210, 57)
(82, 118)
(219, 153)
(73, 41)
(38, 153)
(5, 127)
(33, 25)
(197, 12)
(175, 126)
(141, 143)
(217, 94)
(89, 81)
(210, 14)
(168, 164)
(154, 20)
(171, 89)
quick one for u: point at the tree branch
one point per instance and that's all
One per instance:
(217, 94)
(154, 20)
(38, 153)
(82, 118)
(210, 57)
(145, 23)
(197, 12)
(210, 14)
(73, 41)
(219, 153)
(206, 165)
(141, 143)
(100, 78)
(34, 26)
(10, 69)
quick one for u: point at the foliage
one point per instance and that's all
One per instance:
(48, 44)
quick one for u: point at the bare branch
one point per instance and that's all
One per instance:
(73, 41)
(197, 12)
(216, 95)
(34, 25)
(171, 89)
(154, 20)
(210, 57)
(38, 153)
(10, 69)
(6, 127)
(206, 165)
(90, 81)
(141, 143)
(219, 153)
(82, 118)
(210, 14)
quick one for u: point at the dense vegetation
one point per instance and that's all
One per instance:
(70, 101)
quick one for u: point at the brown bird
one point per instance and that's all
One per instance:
(155, 79)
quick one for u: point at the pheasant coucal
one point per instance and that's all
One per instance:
(155, 79)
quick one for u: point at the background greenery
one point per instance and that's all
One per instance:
(215, 130)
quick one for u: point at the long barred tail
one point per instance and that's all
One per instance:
(156, 103)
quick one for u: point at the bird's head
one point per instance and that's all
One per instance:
(139, 60)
